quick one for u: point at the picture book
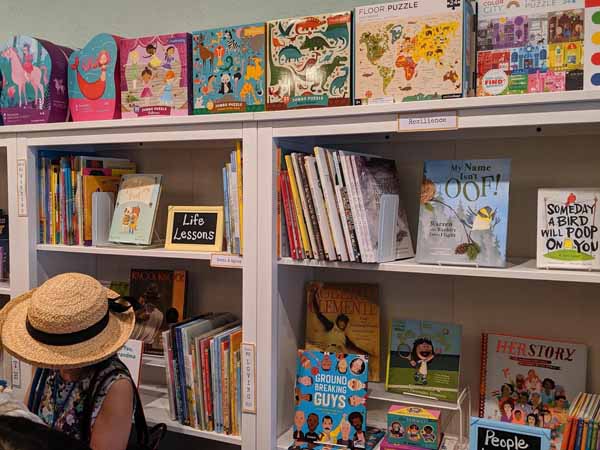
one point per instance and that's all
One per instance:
(93, 184)
(533, 47)
(309, 61)
(413, 425)
(94, 80)
(330, 395)
(567, 229)
(344, 318)
(421, 52)
(424, 359)
(34, 77)
(229, 69)
(531, 381)
(135, 209)
(464, 212)
(162, 294)
(155, 78)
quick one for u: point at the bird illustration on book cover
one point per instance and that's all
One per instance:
(464, 212)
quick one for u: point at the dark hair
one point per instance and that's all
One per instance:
(146, 71)
(395, 423)
(150, 47)
(355, 415)
(427, 428)
(509, 401)
(327, 417)
(549, 380)
(314, 414)
(343, 318)
(18, 433)
(422, 340)
(532, 415)
(170, 47)
(362, 369)
(510, 386)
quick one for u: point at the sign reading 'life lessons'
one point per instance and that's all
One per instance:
(493, 435)
(198, 228)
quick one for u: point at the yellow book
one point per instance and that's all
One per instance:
(298, 207)
(238, 158)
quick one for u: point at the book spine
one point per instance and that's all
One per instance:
(312, 214)
(74, 203)
(317, 195)
(198, 384)
(189, 390)
(240, 187)
(62, 207)
(350, 221)
(351, 190)
(225, 381)
(181, 374)
(369, 251)
(298, 207)
(233, 390)
(483, 374)
(287, 213)
(226, 209)
(338, 186)
(239, 392)
(232, 210)
(41, 207)
(293, 217)
(330, 204)
(169, 374)
(279, 217)
(304, 205)
(215, 388)
(235, 211)
(207, 385)
(579, 436)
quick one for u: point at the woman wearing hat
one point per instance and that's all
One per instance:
(70, 328)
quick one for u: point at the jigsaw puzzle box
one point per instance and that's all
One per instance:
(413, 50)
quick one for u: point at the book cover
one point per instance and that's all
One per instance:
(463, 218)
(93, 184)
(424, 359)
(330, 397)
(229, 69)
(344, 318)
(531, 381)
(567, 231)
(309, 61)
(162, 296)
(135, 209)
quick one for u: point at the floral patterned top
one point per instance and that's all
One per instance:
(62, 403)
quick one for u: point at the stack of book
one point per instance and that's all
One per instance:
(340, 206)
(66, 183)
(581, 430)
(204, 372)
(233, 201)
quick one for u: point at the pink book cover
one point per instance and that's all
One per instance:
(155, 78)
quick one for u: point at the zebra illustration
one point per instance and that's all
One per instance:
(232, 44)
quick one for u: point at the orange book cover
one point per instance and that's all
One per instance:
(91, 184)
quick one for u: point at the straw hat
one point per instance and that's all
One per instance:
(68, 322)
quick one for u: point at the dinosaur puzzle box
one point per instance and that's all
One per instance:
(309, 61)
(529, 47)
(94, 74)
(155, 75)
(413, 50)
(34, 88)
(229, 69)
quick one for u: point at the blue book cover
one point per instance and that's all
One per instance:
(330, 393)
(463, 218)
(229, 69)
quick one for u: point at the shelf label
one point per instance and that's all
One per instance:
(15, 367)
(226, 261)
(248, 378)
(428, 121)
(22, 188)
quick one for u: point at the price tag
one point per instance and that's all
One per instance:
(22, 188)
(248, 378)
(428, 121)
(226, 261)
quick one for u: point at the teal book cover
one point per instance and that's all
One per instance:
(424, 359)
(331, 395)
(229, 69)
(463, 217)
(135, 209)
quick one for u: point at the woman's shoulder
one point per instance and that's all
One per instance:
(109, 372)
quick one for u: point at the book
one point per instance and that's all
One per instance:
(344, 318)
(321, 212)
(463, 217)
(170, 373)
(162, 294)
(93, 184)
(136, 209)
(567, 230)
(291, 174)
(310, 214)
(531, 381)
(229, 69)
(424, 359)
(330, 396)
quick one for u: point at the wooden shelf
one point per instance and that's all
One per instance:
(4, 288)
(156, 408)
(119, 251)
(522, 269)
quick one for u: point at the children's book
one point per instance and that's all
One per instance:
(94, 80)
(464, 212)
(531, 381)
(344, 318)
(155, 78)
(136, 209)
(229, 69)
(93, 184)
(424, 359)
(162, 294)
(330, 397)
(309, 61)
(567, 234)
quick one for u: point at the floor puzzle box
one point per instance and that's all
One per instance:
(309, 61)
(229, 69)
(34, 74)
(413, 50)
(155, 75)
(530, 47)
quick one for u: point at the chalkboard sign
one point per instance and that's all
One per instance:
(198, 228)
(493, 435)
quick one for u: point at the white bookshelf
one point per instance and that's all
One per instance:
(123, 251)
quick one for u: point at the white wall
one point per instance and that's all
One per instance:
(73, 23)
